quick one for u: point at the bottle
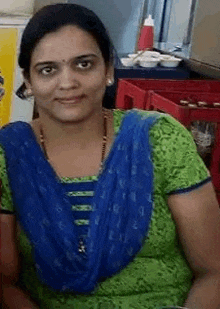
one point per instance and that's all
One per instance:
(146, 39)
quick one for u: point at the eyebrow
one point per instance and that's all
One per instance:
(75, 58)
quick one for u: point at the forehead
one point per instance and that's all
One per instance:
(67, 42)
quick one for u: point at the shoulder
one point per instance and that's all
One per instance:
(170, 131)
(134, 117)
(165, 125)
(13, 127)
(145, 114)
(12, 133)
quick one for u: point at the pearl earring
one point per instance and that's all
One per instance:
(28, 92)
(110, 82)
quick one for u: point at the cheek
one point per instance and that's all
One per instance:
(43, 89)
(96, 83)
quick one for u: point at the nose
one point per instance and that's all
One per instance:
(68, 79)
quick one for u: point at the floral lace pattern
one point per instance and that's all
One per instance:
(159, 275)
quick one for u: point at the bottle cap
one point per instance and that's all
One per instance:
(184, 102)
(149, 21)
(202, 104)
(192, 105)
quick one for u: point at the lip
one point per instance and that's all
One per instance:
(70, 100)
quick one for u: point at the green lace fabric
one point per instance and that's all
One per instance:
(159, 274)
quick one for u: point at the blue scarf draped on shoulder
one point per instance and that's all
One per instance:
(122, 206)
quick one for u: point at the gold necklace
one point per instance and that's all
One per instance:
(104, 140)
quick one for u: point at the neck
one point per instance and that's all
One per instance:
(79, 133)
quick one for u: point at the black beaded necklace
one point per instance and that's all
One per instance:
(81, 247)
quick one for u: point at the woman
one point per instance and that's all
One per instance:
(98, 194)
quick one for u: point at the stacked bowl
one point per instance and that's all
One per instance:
(150, 59)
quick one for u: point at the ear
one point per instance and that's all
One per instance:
(110, 75)
(110, 71)
(26, 80)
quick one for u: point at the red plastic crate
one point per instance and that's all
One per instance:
(134, 92)
(169, 102)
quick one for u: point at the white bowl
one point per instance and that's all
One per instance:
(132, 55)
(153, 54)
(149, 52)
(148, 62)
(127, 62)
(171, 62)
(165, 57)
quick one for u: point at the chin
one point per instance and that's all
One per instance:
(70, 117)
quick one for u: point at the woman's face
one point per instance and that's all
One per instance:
(68, 75)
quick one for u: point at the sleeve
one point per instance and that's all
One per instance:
(175, 157)
(6, 197)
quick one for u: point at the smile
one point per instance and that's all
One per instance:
(70, 100)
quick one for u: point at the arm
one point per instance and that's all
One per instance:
(12, 296)
(197, 217)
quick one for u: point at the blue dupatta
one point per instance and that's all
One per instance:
(122, 206)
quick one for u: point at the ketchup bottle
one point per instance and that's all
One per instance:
(146, 40)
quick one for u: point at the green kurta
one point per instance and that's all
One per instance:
(159, 275)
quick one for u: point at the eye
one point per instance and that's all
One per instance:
(85, 64)
(47, 70)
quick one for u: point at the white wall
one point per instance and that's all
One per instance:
(20, 7)
(179, 19)
(21, 110)
(206, 33)
(120, 17)
(38, 4)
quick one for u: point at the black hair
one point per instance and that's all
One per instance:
(50, 19)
